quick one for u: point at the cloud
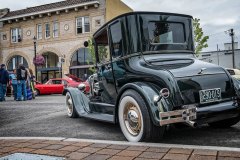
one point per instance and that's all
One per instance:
(216, 16)
(16, 5)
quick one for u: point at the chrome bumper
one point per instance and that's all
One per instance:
(178, 116)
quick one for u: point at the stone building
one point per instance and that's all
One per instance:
(60, 29)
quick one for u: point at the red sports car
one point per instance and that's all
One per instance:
(57, 85)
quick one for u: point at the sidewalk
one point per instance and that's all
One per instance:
(99, 150)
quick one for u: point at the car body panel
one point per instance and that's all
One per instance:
(56, 85)
(147, 67)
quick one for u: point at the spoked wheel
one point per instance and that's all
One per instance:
(71, 112)
(134, 118)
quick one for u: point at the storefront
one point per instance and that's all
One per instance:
(50, 69)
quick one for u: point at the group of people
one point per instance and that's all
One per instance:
(21, 80)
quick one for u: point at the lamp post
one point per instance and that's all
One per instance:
(85, 46)
(35, 54)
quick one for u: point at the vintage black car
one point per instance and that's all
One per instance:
(149, 78)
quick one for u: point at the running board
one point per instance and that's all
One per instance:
(100, 117)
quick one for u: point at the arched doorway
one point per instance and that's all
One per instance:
(14, 62)
(50, 69)
(80, 63)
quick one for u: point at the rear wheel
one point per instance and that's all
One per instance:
(37, 92)
(71, 111)
(225, 123)
(134, 118)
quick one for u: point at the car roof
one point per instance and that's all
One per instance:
(138, 13)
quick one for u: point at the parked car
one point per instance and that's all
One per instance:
(234, 73)
(147, 78)
(56, 86)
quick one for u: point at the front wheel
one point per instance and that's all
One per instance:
(225, 123)
(71, 111)
(134, 118)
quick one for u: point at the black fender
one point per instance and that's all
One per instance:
(236, 84)
(147, 91)
(80, 100)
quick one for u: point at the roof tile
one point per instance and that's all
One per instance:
(45, 7)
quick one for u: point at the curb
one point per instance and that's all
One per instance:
(164, 145)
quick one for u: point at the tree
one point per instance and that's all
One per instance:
(200, 39)
(102, 51)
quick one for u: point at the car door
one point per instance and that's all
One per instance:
(46, 88)
(57, 86)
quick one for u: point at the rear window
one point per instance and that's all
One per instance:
(231, 72)
(166, 33)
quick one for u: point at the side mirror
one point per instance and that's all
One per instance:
(82, 87)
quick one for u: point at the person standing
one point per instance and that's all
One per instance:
(21, 83)
(32, 80)
(13, 78)
(4, 81)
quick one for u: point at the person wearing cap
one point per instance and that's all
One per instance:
(4, 81)
(21, 83)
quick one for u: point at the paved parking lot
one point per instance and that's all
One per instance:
(46, 117)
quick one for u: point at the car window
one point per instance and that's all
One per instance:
(64, 82)
(116, 39)
(231, 71)
(56, 82)
(101, 41)
(49, 82)
(166, 32)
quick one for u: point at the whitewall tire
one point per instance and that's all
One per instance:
(71, 111)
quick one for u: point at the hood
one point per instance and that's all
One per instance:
(186, 67)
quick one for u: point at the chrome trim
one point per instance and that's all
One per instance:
(187, 115)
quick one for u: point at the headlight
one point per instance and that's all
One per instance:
(82, 87)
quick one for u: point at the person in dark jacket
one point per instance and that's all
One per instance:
(21, 83)
(4, 81)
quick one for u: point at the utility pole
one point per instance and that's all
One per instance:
(217, 54)
(233, 55)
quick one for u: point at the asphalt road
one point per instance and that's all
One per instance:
(46, 117)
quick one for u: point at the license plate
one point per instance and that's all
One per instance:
(210, 95)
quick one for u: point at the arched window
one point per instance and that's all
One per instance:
(51, 60)
(81, 57)
(80, 63)
(14, 62)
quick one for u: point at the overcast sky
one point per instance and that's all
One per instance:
(216, 16)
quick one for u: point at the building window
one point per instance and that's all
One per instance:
(4, 37)
(82, 25)
(39, 31)
(14, 62)
(16, 35)
(55, 29)
(47, 30)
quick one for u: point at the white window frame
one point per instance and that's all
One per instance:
(82, 24)
(55, 29)
(18, 33)
(47, 30)
(39, 31)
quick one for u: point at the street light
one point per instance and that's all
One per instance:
(85, 46)
(35, 54)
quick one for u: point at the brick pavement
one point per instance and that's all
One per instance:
(73, 150)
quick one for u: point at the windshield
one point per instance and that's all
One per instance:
(166, 33)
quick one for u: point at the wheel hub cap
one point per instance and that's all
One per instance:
(132, 119)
